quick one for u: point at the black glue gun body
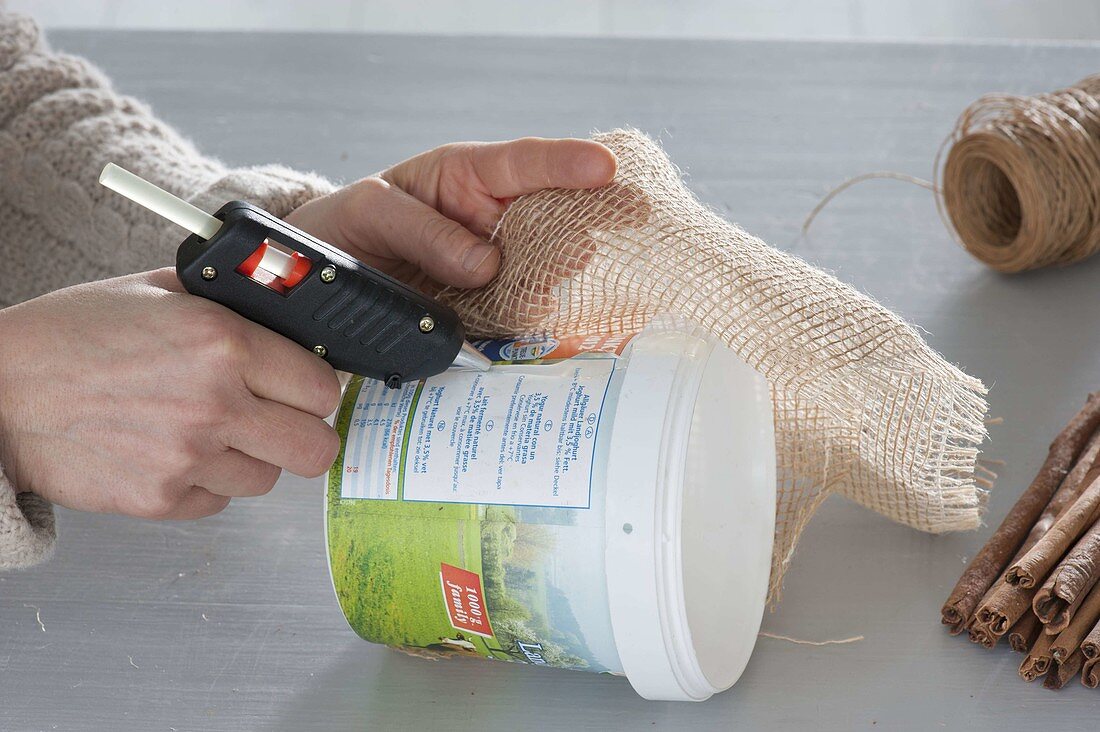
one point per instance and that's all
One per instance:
(355, 317)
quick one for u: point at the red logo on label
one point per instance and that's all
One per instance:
(464, 600)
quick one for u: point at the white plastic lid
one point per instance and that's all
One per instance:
(690, 515)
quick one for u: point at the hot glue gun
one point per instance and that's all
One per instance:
(355, 317)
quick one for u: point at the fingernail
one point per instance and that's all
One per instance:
(476, 257)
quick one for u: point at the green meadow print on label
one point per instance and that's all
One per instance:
(465, 512)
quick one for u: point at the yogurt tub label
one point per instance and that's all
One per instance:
(517, 436)
(465, 512)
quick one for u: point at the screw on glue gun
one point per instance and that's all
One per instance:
(355, 317)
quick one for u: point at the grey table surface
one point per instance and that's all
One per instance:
(230, 623)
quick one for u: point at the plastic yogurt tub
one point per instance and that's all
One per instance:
(603, 504)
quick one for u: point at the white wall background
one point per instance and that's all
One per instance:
(819, 19)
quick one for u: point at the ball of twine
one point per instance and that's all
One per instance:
(1021, 181)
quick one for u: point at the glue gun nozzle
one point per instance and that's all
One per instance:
(471, 358)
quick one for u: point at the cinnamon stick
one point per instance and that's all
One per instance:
(1002, 607)
(980, 634)
(1067, 492)
(1030, 569)
(1064, 591)
(988, 563)
(1024, 633)
(1038, 659)
(1090, 648)
(1084, 620)
(1090, 674)
(1054, 612)
(1005, 604)
(1062, 671)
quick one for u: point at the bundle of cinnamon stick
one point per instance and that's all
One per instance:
(1037, 579)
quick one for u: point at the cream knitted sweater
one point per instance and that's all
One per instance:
(60, 122)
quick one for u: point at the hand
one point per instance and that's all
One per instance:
(131, 396)
(427, 220)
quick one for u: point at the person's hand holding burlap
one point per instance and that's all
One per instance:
(863, 406)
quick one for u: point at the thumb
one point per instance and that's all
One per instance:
(441, 247)
(383, 221)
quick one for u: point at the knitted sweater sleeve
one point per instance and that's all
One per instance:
(60, 122)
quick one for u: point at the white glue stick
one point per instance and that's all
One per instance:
(180, 212)
(159, 201)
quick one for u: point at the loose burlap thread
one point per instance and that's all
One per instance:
(1021, 181)
(863, 407)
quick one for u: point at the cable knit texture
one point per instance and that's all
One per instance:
(60, 123)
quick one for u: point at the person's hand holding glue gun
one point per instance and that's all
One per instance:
(129, 395)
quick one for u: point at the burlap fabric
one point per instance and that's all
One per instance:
(863, 407)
